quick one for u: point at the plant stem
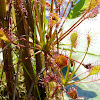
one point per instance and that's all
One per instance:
(79, 64)
(78, 80)
(16, 78)
(66, 76)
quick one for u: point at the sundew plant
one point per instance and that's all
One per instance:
(31, 34)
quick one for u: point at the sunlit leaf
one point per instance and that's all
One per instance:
(3, 36)
(76, 11)
(94, 70)
(82, 6)
(86, 5)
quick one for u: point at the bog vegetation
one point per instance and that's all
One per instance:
(30, 41)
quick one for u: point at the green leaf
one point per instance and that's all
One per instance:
(86, 4)
(78, 9)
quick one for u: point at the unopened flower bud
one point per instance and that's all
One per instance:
(73, 38)
(89, 39)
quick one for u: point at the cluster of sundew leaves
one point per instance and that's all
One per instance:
(55, 17)
(91, 6)
(92, 69)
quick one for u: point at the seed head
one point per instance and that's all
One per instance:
(73, 93)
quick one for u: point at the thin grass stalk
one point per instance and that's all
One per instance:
(38, 22)
(79, 66)
(41, 14)
(53, 35)
(66, 8)
(51, 11)
(44, 15)
(65, 17)
(42, 19)
(16, 78)
(38, 57)
(87, 81)
(23, 30)
(66, 76)
(69, 31)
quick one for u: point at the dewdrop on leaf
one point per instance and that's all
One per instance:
(3, 36)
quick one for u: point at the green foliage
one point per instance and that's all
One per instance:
(76, 11)
(79, 9)
(86, 5)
